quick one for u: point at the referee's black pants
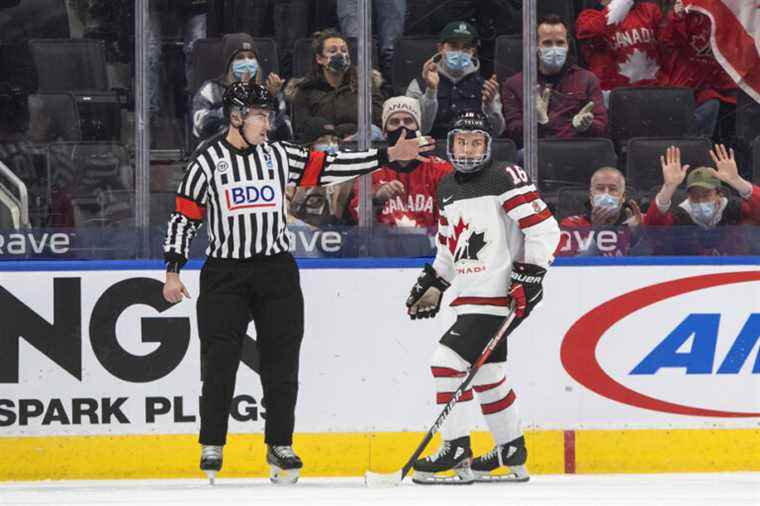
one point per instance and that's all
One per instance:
(267, 290)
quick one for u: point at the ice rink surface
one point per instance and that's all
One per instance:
(720, 489)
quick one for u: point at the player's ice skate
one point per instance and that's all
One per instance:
(211, 461)
(285, 465)
(511, 456)
(452, 457)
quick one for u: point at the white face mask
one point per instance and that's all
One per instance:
(553, 58)
(703, 212)
(605, 200)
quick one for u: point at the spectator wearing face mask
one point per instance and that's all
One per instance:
(451, 83)
(607, 208)
(319, 206)
(620, 42)
(688, 61)
(239, 52)
(403, 193)
(328, 96)
(568, 98)
(707, 206)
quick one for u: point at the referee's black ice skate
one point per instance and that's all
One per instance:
(511, 456)
(454, 455)
(285, 465)
(211, 461)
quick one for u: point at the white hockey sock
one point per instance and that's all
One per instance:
(449, 370)
(497, 402)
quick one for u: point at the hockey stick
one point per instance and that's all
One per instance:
(383, 479)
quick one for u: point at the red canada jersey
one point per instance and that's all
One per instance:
(688, 59)
(417, 206)
(624, 53)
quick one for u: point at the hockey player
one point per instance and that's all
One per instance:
(495, 238)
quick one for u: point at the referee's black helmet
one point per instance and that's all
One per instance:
(244, 96)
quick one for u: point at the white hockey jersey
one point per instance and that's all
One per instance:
(487, 221)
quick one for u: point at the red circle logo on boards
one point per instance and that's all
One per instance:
(578, 351)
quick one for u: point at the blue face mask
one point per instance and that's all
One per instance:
(240, 67)
(553, 58)
(458, 60)
(605, 200)
(704, 212)
(327, 148)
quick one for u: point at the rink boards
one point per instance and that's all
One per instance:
(637, 365)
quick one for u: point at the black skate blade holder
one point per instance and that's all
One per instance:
(376, 480)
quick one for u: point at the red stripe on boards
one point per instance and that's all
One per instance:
(570, 451)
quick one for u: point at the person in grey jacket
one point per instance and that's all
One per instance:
(451, 83)
(239, 51)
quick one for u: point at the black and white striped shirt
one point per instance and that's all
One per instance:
(240, 194)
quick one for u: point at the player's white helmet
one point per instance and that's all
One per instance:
(469, 122)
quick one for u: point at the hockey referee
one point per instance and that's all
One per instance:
(236, 184)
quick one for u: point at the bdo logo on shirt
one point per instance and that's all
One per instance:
(252, 195)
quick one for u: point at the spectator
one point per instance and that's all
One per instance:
(240, 54)
(404, 192)
(568, 98)
(285, 20)
(606, 209)
(319, 206)
(620, 43)
(329, 95)
(707, 206)
(389, 14)
(451, 83)
(688, 61)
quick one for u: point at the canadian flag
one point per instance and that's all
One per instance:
(735, 38)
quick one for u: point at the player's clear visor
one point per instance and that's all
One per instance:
(468, 151)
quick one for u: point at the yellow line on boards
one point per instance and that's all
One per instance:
(661, 451)
(351, 454)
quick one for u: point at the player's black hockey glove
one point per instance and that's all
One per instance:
(425, 299)
(526, 289)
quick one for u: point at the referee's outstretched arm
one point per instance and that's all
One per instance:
(317, 168)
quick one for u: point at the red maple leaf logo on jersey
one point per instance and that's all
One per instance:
(700, 42)
(467, 247)
(460, 227)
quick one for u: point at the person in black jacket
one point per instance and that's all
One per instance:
(451, 83)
